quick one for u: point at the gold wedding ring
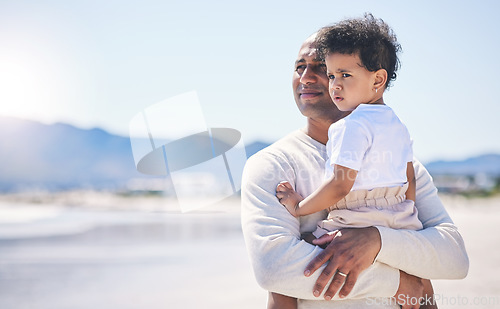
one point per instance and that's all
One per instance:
(341, 273)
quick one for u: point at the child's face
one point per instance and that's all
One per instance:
(350, 84)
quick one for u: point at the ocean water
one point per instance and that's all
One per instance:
(55, 257)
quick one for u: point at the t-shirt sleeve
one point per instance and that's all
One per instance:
(348, 142)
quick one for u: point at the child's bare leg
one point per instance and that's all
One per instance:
(278, 301)
(428, 296)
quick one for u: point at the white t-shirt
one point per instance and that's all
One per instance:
(373, 141)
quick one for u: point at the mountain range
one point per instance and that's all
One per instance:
(61, 157)
(36, 156)
(488, 164)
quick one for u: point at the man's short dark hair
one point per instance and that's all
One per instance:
(371, 38)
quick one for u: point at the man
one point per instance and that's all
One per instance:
(374, 258)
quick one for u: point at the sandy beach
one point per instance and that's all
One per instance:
(478, 221)
(131, 252)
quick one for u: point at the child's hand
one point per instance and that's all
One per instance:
(288, 197)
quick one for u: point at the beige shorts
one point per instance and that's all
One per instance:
(378, 207)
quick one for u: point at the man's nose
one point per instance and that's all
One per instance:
(309, 76)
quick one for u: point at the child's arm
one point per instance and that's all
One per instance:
(410, 175)
(327, 195)
(329, 192)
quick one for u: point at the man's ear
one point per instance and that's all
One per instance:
(380, 79)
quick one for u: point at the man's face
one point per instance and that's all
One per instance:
(310, 84)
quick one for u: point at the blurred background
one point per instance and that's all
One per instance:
(81, 228)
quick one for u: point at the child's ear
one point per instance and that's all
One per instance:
(380, 79)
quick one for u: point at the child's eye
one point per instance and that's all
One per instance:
(345, 75)
(331, 76)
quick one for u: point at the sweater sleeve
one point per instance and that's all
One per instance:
(272, 237)
(435, 252)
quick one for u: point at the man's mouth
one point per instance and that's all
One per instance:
(308, 93)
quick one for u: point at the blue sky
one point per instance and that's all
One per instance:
(99, 63)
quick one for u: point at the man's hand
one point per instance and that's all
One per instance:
(349, 253)
(410, 291)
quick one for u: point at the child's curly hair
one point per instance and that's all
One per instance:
(371, 38)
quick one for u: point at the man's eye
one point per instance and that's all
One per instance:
(300, 69)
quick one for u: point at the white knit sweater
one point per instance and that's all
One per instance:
(279, 257)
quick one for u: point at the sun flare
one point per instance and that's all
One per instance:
(24, 90)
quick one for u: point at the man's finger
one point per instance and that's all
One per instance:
(318, 261)
(335, 285)
(348, 284)
(324, 278)
(326, 238)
